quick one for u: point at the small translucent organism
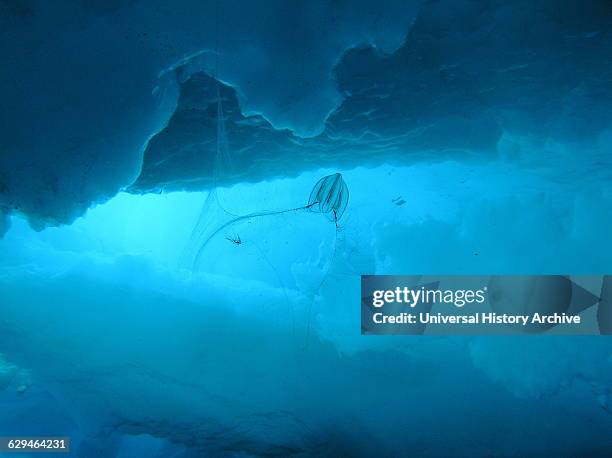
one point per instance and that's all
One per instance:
(235, 239)
(329, 196)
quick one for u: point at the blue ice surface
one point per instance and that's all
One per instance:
(132, 354)
(490, 121)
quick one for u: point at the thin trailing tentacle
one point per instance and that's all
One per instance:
(323, 279)
(242, 218)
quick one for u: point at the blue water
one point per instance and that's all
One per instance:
(473, 137)
(120, 347)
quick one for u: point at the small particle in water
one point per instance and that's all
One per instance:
(21, 389)
(398, 201)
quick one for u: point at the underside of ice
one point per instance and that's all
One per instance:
(98, 97)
